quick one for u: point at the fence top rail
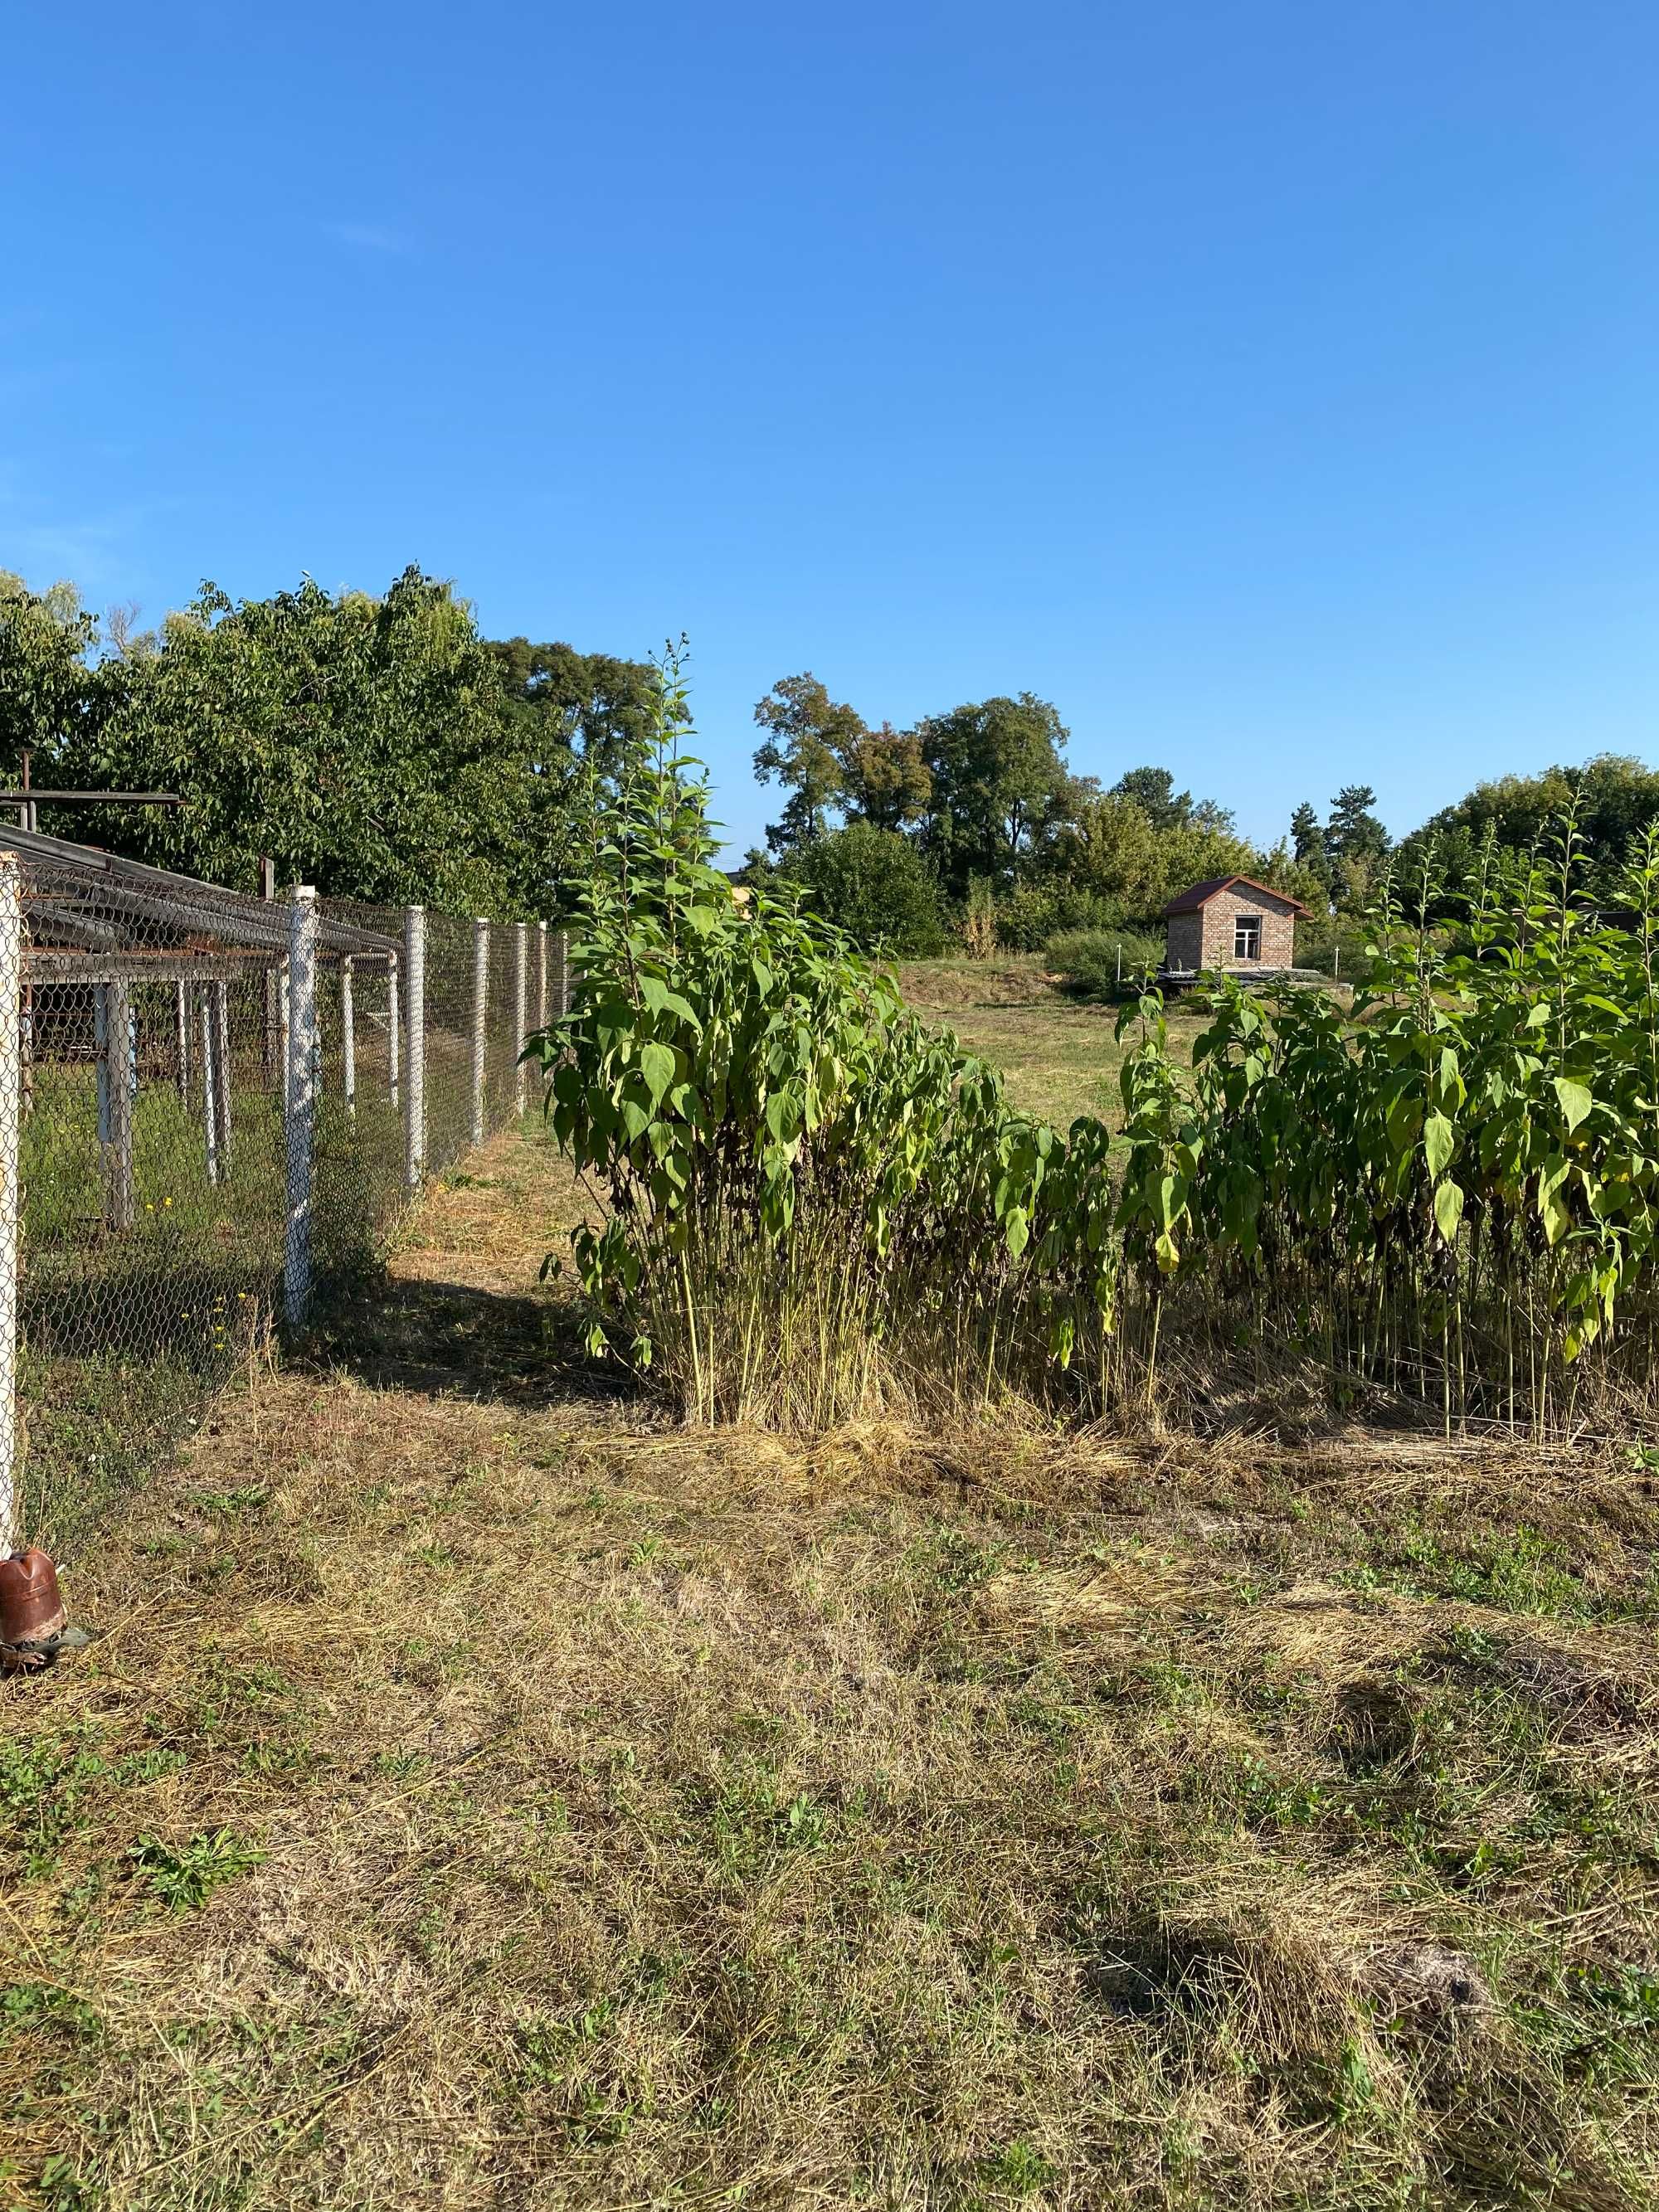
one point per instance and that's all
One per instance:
(133, 891)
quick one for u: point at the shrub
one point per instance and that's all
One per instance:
(1336, 944)
(1105, 964)
(979, 922)
(1027, 918)
(876, 886)
(811, 1196)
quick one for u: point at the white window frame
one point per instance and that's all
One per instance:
(1247, 927)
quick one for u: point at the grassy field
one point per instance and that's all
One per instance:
(1059, 1054)
(486, 1795)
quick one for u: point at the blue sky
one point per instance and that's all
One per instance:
(1273, 387)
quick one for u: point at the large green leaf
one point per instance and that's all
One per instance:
(1448, 1209)
(1575, 1100)
(657, 1067)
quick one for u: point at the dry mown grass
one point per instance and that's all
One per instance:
(485, 1797)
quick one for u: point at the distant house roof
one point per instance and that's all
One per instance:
(1189, 902)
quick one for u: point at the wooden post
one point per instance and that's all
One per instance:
(562, 974)
(480, 1013)
(347, 1040)
(541, 975)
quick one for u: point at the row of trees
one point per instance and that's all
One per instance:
(900, 827)
(377, 746)
(895, 831)
(381, 747)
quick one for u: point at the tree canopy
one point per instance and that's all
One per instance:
(1612, 796)
(810, 744)
(996, 776)
(376, 746)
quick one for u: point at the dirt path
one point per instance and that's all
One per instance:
(487, 1795)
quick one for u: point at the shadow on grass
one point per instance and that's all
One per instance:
(454, 1340)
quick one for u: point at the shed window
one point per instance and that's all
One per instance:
(1247, 937)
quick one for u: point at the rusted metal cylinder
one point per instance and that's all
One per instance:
(31, 1605)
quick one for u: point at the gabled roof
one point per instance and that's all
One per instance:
(1189, 902)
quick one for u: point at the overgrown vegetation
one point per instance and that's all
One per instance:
(376, 746)
(812, 1201)
(488, 1795)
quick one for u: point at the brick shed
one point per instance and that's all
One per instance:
(1231, 922)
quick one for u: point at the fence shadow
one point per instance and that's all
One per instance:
(455, 1340)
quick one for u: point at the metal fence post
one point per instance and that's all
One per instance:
(181, 1022)
(347, 1040)
(415, 1016)
(541, 975)
(480, 1010)
(212, 1078)
(301, 1099)
(119, 1073)
(392, 1039)
(11, 1118)
(222, 1056)
(520, 964)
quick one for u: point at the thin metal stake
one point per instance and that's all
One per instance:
(480, 1010)
(222, 1060)
(11, 1118)
(302, 1100)
(210, 1089)
(120, 1057)
(393, 1039)
(415, 1023)
(347, 1042)
(520, 963)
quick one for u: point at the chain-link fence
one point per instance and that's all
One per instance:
(213, 1109)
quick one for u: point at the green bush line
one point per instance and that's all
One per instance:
(811, 1199)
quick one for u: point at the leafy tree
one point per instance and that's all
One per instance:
(1356, 844)
(874, 884)
(1308, 836)
(887, 781)
(52, 692)
(1110, 851)
(358, 740)
(997, 779)
(568, 707)
(1153, 791)
(810, 741)
(569, 717)
(1613, 797)
(1305, 858)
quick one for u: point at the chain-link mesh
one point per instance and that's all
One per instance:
(179, 1178)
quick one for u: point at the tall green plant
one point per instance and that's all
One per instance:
(807, 1200)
